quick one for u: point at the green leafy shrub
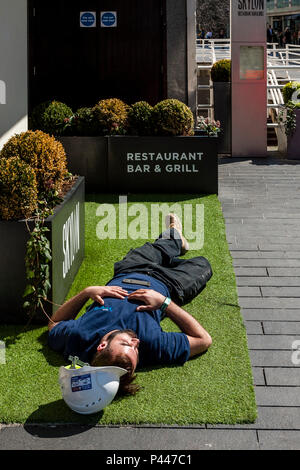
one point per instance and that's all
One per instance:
(112, 116)
(50, 117)
(45, 155)
(172, 117)
(221, 71)
(84, 123)
(140, 118)
(18, 189)
(288, 90)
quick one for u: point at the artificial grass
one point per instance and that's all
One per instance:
(216, 387)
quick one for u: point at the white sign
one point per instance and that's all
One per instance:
(71, 239)
(87, 19)
(108, 19)
(156, 162)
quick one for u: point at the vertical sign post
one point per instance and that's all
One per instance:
(249, 78)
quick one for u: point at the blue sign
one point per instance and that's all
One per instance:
(88, 19)
(108, 19)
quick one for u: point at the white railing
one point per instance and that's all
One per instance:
(283, 65)
(210, 50)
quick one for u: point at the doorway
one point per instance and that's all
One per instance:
(79, 64)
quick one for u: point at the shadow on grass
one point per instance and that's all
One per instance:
(160, 198)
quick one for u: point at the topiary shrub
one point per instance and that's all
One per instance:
(50, 117)
(140, 118)
(18, 189)
(172, 117)
(221, 71)
(112, 116)
(43, 153)
(288, 90)
(84, 123)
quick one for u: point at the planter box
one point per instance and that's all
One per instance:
(289, 147)
(222, 113)
(139, 164)
(67, 244)
(163, 164)
(87, 156)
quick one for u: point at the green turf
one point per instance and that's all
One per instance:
(216, 387)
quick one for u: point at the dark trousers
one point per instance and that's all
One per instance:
(185, 278)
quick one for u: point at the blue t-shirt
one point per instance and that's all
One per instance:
(82, 336)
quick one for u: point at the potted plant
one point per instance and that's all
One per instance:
(41, 227)
(81, 136)
(289, 122)
(118, 147)
(167, 157)
(221, 78)
(208, 127)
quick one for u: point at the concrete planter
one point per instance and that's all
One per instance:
(163, 164)
(222, 112)
(87, 156)
(67, 244)
(289, 146)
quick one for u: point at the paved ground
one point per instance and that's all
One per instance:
(261, 205)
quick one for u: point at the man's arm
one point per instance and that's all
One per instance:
(198, 337)
(70, 309)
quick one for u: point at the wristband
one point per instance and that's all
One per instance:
(165, 304)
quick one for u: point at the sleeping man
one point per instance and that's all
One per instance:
(122, 326)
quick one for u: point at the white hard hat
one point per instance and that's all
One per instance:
(87, 389)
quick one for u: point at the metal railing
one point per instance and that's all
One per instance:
(283, 65)
(209, 51)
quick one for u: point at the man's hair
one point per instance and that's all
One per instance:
(106, 358)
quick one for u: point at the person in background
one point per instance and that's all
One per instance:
(287, 37)
(269, 34)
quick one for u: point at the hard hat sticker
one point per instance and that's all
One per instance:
(81, 382)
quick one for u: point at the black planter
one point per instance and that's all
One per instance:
(66, 236)
(87, 156)
(293, 142)
(163, 164)
(222, 113)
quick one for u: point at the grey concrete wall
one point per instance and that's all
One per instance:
(181, 51)
(13, 68)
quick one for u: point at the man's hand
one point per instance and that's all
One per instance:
(153, 300)
(70, 309)
(97, 293)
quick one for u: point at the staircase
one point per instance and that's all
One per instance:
(271, 135)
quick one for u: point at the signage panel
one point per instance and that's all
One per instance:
(87, 19)
(248, 78)
(252, 62)
(108, 19)
(248, 22)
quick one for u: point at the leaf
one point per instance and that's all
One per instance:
(28, 290)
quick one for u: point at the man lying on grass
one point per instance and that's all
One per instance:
(122, 326)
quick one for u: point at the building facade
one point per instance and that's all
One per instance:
(72, 51)
(282, 14)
